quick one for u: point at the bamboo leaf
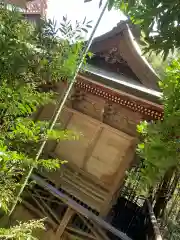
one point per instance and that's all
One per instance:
(85, 30)
(100, 3)
(84, 20)
(64, 18)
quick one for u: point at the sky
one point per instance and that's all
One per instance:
(78, 10)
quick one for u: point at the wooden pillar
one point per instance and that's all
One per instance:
(63, 224)
(164, 193)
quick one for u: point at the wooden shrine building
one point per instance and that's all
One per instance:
(116, 90)
(32, 10)
(35, 10)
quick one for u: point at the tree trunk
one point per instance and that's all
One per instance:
(164, 193)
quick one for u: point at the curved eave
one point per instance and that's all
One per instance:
(122, 38)
(130, 51)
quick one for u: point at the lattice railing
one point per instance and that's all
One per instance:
(68, 218)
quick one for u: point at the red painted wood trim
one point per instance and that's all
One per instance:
(148, 110)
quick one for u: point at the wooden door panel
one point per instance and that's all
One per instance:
(97, 161)
(74, 151)
(107, 155)
(101, 151)
(95, 167)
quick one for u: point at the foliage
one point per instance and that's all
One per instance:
(172, 231)
(158, 63)
(60, 56)
(74, 33)
(159, 21)
(21, 231)
(30, 57)
(161, 146)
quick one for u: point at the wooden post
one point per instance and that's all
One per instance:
(162, 197)
(64, 222)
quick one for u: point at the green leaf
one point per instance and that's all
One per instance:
(100, 3)
(141, 146)
(110, 4)
(84, 20)
(64, 18)
(85, 30)
(90, 54)
(62, 31)
(89, 22)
